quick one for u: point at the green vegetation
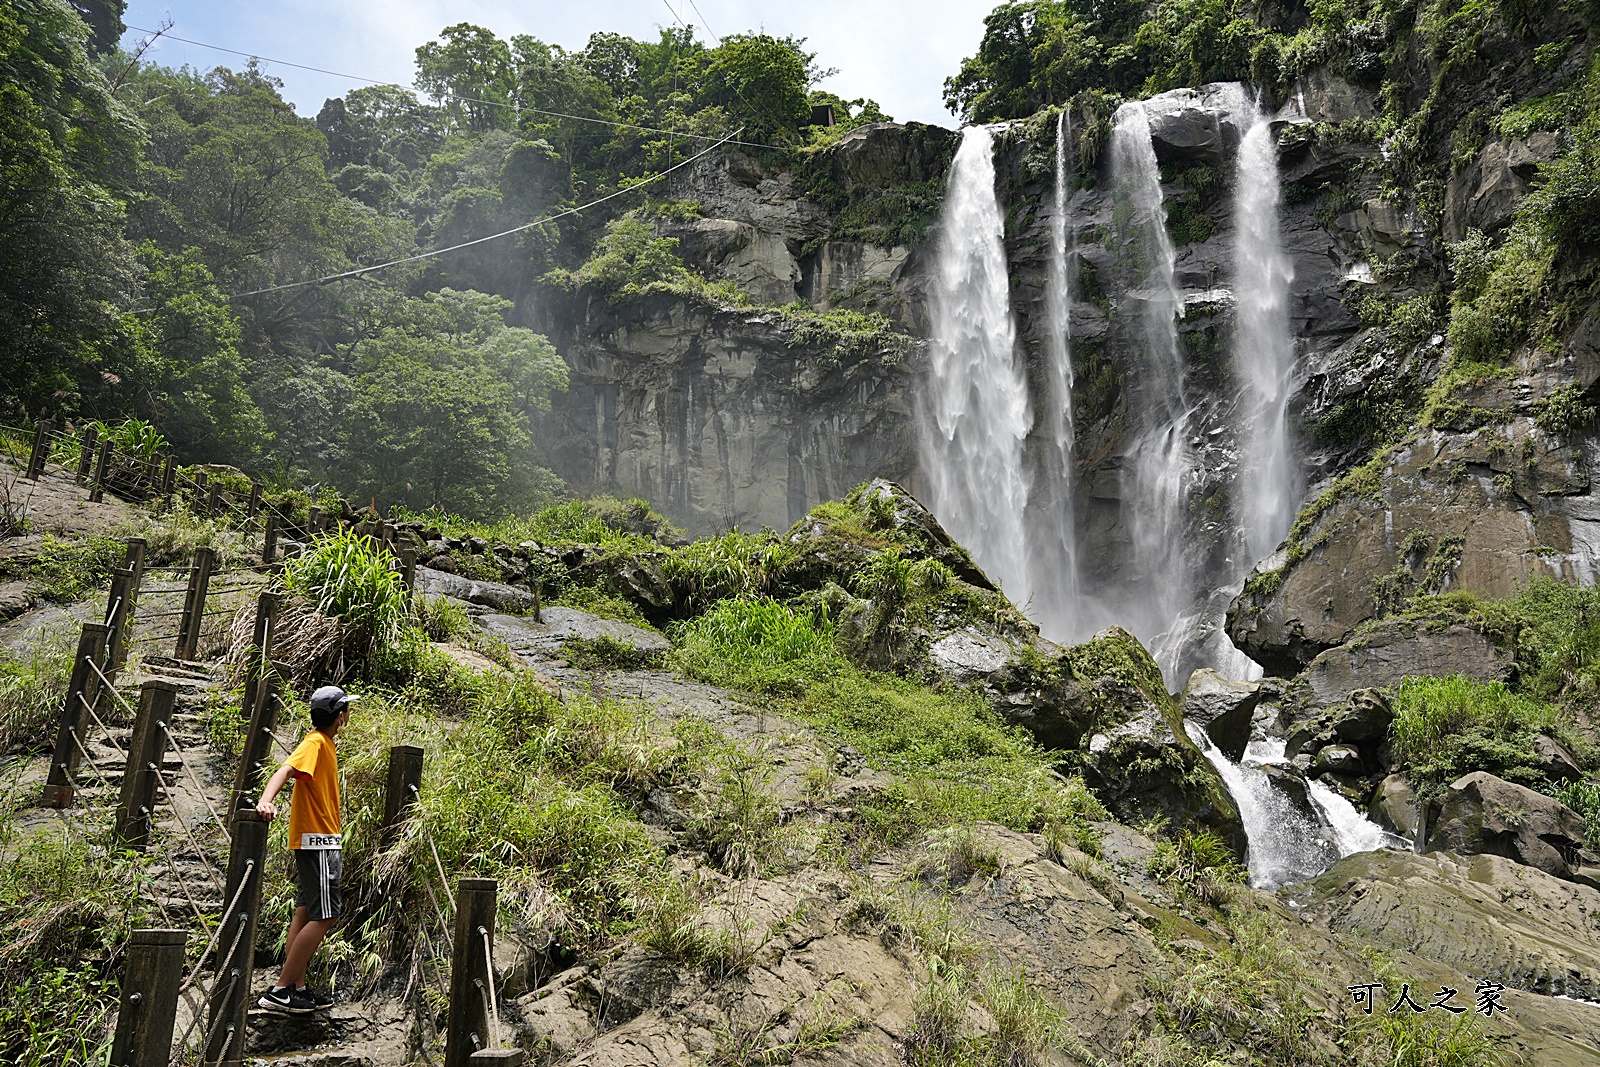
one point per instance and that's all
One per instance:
(349, 604)
(32, 688)
(1446, 727)
(954, 760)
(66, 570)
(1200, 865)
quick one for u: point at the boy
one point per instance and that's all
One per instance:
(314, 837)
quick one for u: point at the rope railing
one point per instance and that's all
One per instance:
(93, 715)
(112, 689)
(494, 1007)
(249, 866)
(183, 824)
(183, 759)
(183, 1042)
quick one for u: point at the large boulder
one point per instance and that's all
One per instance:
(1480, 813)
(1201, 125)
(1394, 649)
(546, 636)
(1222, 707)
(1138, 758)
(1485, 510)
(496, 595)
(1394, 806)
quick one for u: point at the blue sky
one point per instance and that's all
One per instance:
(895, 52)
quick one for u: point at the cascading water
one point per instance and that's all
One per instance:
(975, 414)
(1286, 844)
(1155, 510)
(1054, 522)
(1264, 351)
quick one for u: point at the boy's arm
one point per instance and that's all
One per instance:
(268, 805)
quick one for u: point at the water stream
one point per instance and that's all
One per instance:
(1264, 349)
(1160, 586)
(1054, 520)
(975, 415)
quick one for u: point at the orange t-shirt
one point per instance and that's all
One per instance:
(314, 810)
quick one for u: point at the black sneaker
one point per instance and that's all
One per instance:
(322, 1001)
(287, 1002)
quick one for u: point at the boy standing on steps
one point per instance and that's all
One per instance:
(314, 837)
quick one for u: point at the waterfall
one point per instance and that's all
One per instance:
(1352, 831)
(975, 413)
(1285, 844)
(1267, 489)
(1161, 587)
(1055, 522)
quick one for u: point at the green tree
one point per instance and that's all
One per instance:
(763, 80)
(470, 72)
(104, 18)
(183, 370)
(64, 266)
(441, 404)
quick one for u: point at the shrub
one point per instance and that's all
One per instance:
(1446, 727)
(1201, 865)
(756, 644)
(31, 692)
(1583, 797)
(65, 571)
(347, 576)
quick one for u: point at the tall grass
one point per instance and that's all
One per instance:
(31, 692)
(349, 606)
(956, 761)
(67, 570)
(1447, 727)
(66, 908)
(757, 644)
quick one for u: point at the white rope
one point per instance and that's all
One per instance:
(103, 729)
(494, 1007)
(183, 758)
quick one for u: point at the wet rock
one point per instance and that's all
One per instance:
(1469, 915)
(546, 635)
(1141, 763)
(1480, 813)
(1381, 657)
(1365, 717)
(1338, 759)
(432, 581)
(1222, 707)
(1394, 806)
(1197, 124)
(1446, 491)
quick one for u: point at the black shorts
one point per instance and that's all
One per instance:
(317, 873)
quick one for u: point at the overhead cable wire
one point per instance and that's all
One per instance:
(456, 97)
(579, 209)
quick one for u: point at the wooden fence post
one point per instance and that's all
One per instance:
(150, 981)
(86, 453)
(119, 610)
(82, 689)
(169, 474)
(252, 508)
(146, 750)
(267, 605)
(313, 522)
(499, 1057)
(256, 754)
(269, 539)
(408, 570)
(213, 497)
(468, 1027)
(41, 450)
(97, 490)
(133, 559)
(230, 990)
(401, 791)
(194, 606)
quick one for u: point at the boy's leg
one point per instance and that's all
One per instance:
(296, 924)
(301, 951)
(318, 874)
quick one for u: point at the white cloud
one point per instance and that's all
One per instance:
(895, 52)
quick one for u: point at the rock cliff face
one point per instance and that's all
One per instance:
(722, 415)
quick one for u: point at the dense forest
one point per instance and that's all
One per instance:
(150, 215)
